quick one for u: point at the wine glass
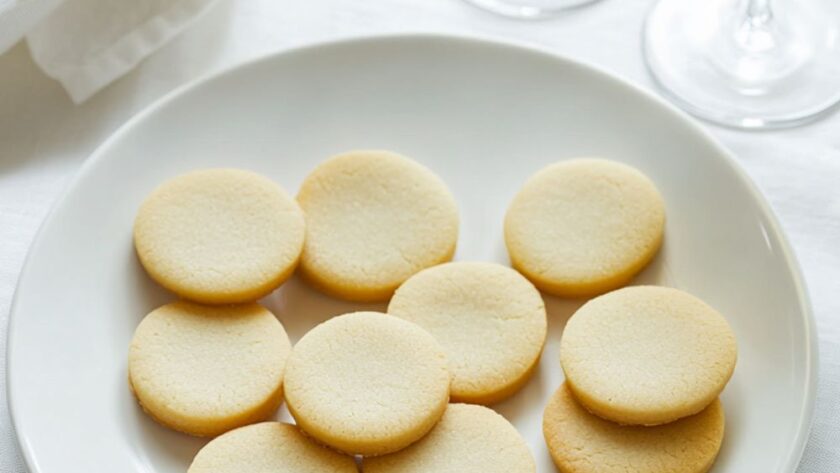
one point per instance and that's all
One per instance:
(528, 9)
(746, 63)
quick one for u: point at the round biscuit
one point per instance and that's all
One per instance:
(580, 442)
(647, 355)
(583, 227)
(468, 439)
(219, 236)
(367, 383)
(204, 370)
(489, 319)
(374, 218)
(268, 447)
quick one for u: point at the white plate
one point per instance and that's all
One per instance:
(482, 115)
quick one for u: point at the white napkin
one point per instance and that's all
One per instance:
(86, 44)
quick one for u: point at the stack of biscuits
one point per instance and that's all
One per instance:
(644, 365)
(406, 390)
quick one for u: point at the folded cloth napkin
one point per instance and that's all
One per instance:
(86, 44)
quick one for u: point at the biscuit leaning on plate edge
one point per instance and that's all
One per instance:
(647, 355)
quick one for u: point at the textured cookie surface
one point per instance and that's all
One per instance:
(219, 235)
(583, 227)
(647, 355)
(373, 219)
(580, 442)
(367, 383)
(205, 370)
(269, 447)
(490, 320)
(468, 439)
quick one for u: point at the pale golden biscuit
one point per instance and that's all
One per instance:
(374, 218)
(647, 355)
(468, 439)
(583, 227)
(205, 370)
(580, 442)
(269, 447)
(219, 236)
(367, 383)
(490, 320)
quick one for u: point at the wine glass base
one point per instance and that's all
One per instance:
(706, 57)
(529, 9)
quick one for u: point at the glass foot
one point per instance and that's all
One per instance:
(727, 62)
(529, 9)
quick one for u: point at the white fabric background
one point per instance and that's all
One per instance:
(17, 17)
(44, 138)
(86, 44)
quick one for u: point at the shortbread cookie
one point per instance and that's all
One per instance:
(490, 320)
(205, 370)
(583, 227)
(647, 355)
(373, 219)
(367, 383)
(219, 236)
(468, 439)
(580, 442)
(269, 447)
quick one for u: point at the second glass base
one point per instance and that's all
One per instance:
(709, 58)
(529, 9)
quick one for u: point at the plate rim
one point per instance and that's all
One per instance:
(726, 157)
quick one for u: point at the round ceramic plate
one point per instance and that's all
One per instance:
(484, 116)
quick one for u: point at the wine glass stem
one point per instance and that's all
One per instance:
(756, 31)
(759, 12)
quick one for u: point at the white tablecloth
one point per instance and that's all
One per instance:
(44, 138)
(86, 44)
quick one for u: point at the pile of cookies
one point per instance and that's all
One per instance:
(405, 391)
(644, 366)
